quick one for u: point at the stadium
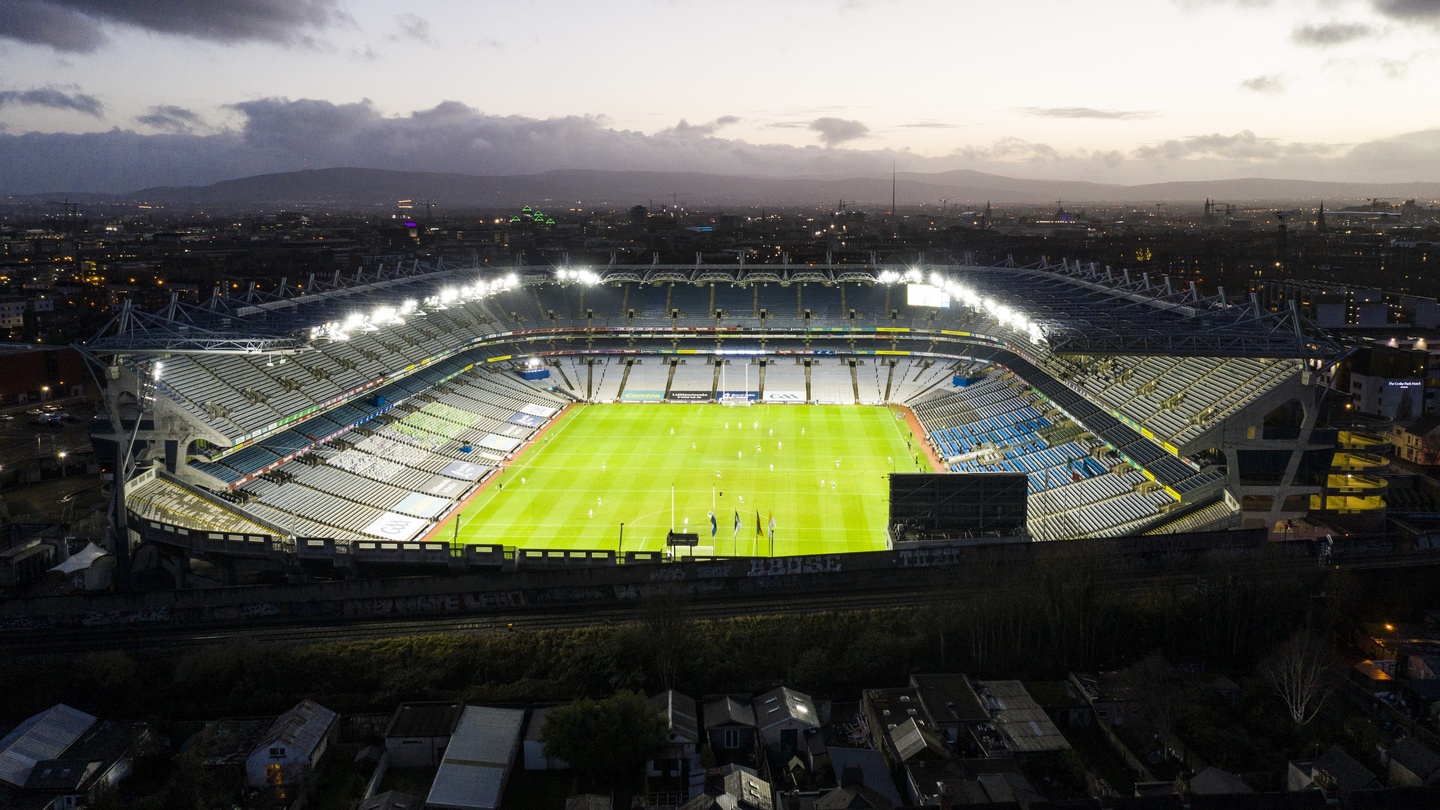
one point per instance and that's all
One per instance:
(479, 417)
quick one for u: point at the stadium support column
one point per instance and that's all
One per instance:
(119, 523)
(1311, 412)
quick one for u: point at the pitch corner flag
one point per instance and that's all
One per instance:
(737, 524)
(772, 527)
(713, 527)
(759, 527)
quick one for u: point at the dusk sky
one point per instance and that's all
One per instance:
(115, 95)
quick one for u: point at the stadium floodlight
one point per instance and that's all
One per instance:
(888, 277)
(159, 367)
(914, 276)
(1003, 314)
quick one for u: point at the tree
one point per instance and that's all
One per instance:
(1156, 686)
(1430, 449)
(1299, 672)
(666, 633)
(606, 740)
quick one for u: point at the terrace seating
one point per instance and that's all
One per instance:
(831, 383)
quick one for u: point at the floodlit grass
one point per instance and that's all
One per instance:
(602, 465)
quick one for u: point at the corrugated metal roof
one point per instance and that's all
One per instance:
(1019, 718)
(477, 761)
(44, 736)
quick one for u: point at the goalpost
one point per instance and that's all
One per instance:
(730, 399)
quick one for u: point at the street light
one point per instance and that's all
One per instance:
(62, 464)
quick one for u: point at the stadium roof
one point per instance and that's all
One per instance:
(1079, 309)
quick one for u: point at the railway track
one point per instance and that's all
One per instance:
(70, 641)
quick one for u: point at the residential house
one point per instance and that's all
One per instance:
(291, 749)
(1412, 765)
(1373, 678)
(730, 730)
(1214, 781)
(101, 757)
(783, 716)
(1333, 773)
(1418, 441)
(733, 787)
(418, 733)
(679, 759)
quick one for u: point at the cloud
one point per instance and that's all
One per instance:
(1412, 149)
(1088, 112)
(1244, 145)
(47, 24)
(930, 125)
(1270, 83)
(413, 26)
(279, 135)
(1423, 10)
(685, 129)
(79, 26)
(1334, 33)
(170, 118)
(835, 131)
(54, 99)
(1009, 149)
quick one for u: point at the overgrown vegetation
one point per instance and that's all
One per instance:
(1071, 616)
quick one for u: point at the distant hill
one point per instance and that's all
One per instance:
(382, 187)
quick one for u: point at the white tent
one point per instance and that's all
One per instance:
(81, 560)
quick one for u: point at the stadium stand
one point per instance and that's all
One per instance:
(364, 421)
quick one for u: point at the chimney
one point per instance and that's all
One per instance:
(944, 797)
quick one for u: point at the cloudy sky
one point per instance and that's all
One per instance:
(114, 95)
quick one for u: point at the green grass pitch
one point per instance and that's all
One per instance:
(601, 465)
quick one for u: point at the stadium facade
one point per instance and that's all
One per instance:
(341, 420)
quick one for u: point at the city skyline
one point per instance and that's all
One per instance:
(114, 97)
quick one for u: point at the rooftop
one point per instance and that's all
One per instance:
(424, 720)
(477, 761)
(41, 737)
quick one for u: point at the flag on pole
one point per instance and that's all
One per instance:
(759, 527)
(772, 527)
(713, 527)
(737, 525)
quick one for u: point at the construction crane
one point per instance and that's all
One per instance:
(72, 215)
